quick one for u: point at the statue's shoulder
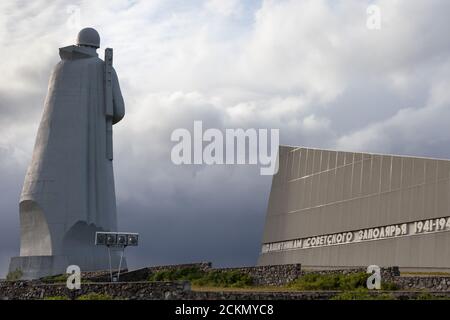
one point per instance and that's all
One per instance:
(76, 53)
(95, 60)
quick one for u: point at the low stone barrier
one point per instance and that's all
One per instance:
(135, 284)
(33, 290)
(277, 275)
(433, 283)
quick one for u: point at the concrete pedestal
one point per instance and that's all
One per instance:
(35, 267)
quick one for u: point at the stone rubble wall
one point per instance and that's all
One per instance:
(275, 275)
(433, 283)
(278, 275)
(134, 284)
(33, 290)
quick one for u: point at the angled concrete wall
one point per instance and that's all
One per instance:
(318, 194)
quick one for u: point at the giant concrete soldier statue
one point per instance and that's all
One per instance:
(68, 193)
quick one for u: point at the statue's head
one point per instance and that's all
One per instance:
(88, 37)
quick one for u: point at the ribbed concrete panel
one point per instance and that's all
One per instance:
(320, 193)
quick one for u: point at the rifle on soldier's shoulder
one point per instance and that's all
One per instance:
(109, 110)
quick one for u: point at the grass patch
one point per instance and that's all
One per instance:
(362, 294)
(428, 296)
(252, 288)
(201, 278)
(14, 275)
(88, 296)
(60, 278)
(95, 296)
(56, 298)
(316, 281)
(188, 274)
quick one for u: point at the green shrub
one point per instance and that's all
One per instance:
(332, 281)
(337, 281)
(187, 274)
(389, 286)
(315, 281)
(353, 281)
(95, 296)
(362, 294)
(14, 275)
(215, 278)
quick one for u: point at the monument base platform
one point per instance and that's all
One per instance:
(35, 267)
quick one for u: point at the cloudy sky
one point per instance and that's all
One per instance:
(311, 68)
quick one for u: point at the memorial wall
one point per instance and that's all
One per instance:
(343, 209)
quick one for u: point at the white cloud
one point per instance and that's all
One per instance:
(421, 130)
(224, 7)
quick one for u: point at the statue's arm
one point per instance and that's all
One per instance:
(118, 103)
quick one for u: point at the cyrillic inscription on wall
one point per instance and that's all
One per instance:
(371, 234)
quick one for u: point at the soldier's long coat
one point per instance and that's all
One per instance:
(68, 191)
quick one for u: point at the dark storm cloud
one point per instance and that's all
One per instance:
(225, 234)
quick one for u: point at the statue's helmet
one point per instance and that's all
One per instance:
(88, 37)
